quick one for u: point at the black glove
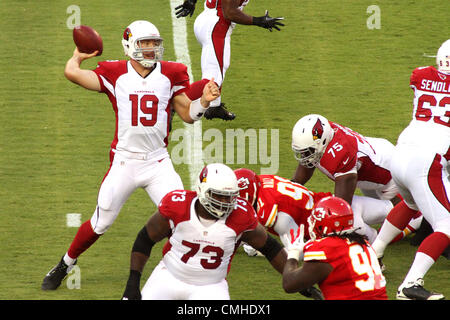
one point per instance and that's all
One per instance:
(268, 22)
(132, 291)
(312, 293)
(185, 9)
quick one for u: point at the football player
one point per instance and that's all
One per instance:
(213, 28)
(339, 260)
(141, 90)
(282, 205)
(204, 229)
(420, 167)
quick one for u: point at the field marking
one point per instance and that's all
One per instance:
(193, 136)
(73, 220)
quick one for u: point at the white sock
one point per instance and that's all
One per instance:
(387, 233)
(68, 260)
(420, 266)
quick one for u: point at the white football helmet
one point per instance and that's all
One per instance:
(443, 57)
(218, 189)
(134, 34)
(310, 137)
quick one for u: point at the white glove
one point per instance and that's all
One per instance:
(295, 243)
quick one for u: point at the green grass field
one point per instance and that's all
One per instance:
(55, 136)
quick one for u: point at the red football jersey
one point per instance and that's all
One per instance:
(356, 272)
(350, 152)
(279, 194)
(201, 254)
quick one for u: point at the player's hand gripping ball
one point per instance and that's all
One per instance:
(87, 40)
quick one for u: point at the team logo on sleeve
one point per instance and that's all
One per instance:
(317, 130)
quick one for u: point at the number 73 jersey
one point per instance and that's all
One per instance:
(141, 104)
(201, 254)
(356, 272)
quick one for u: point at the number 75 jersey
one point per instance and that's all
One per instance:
(141, 104)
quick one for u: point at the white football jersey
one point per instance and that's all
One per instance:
(430, 126)
(199, 254)
(141, 104)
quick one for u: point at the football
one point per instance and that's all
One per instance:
(87, 40)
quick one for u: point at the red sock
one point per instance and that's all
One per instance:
(434, 245)
(196, 89)
(400, 215)
(84, 238)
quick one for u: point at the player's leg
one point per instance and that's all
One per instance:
(161, 179)
(431, 191)
(162, 285)
(215, 291)
(214, 37)
(114, 191)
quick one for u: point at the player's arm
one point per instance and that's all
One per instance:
(190, 111)
(297, 279)
(85, 78)
(345, 186)
(156, 229)
(231, 12)
(303, 174)
(268, 246)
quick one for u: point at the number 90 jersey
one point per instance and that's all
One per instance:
(356, 272)
(430, 125)
(196, 253)
(141, 104)
(279, 194)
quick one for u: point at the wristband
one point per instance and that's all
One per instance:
(196, 110)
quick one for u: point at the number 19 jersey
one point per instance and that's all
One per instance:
(141, 104)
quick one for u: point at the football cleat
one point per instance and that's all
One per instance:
(55, 276)
(414, 290)
(219, 112)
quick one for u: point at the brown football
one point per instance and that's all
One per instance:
(87, 40)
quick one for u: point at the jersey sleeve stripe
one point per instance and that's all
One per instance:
(272, 216)
(108, 85)
(314, 255)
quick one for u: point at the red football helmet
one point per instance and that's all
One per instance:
(248, 183)
(330, 215)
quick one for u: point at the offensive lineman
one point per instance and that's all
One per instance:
(420, 168)
(213, 28)
(140, 90)
(204, 229)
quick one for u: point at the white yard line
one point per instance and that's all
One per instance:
(193, 132)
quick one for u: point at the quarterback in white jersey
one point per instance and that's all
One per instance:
(420, 168)
(204, 229)
(142, 91)
(213, 28)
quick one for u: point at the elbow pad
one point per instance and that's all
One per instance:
(143, 243)
(271, 248)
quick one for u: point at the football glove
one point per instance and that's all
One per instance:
(295, 242)
(268, 22)
(185, 9)
(313, 293)
(132, 291)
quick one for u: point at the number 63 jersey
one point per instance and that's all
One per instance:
(201, 254)
(430, 124)
(141, 104)
(356, 273)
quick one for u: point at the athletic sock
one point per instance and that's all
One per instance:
(84, 238)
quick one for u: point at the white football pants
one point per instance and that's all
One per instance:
(156, 176)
